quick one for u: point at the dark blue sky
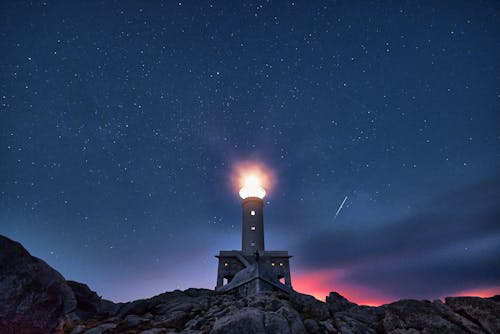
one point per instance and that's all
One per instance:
(120, 123)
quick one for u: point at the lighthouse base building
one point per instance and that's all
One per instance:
(253, 269)
(250, 274)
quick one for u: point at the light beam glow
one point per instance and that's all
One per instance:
(252, 179)
(252, 187)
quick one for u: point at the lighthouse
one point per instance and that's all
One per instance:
(253, 269)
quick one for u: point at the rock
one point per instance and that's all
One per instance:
(140, 306)
(245, 320)
(89, 304)
(34, 298)
(293, 318)
(276, 324)
(311, 326)
(176, 319)
(87, 300)
(406, 315)
(79, 329)
(154, 331)
(101, 329)
(337, 302)
(482, 311)
(310, 306)
(108, 308)
(349, 325)
(495, 298)
(448, 313)
(359, 319)
(364, 314)
(328, 326)
(131, 321)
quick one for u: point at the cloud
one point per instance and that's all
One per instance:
(451, 244)
(435, 273)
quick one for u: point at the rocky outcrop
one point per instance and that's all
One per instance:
(89, 304)
(207, 311)
(338, 302)
(407, 315)
(485, 312)
(36, 299)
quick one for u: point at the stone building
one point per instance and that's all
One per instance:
(253, 269)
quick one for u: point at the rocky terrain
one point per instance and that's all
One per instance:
(34, 298)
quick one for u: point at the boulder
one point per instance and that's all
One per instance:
(337, 302)
(293, 318)
(89, 304)
(132, 320)
(420, 315)
(34, 298)
(311, 326)
(275, 324)
(310, 306)
(245, 320)
(347, 324)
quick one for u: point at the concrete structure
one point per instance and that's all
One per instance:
(253, 269)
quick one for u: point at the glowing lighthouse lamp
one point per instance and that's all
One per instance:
(252, 187)
(252, 193)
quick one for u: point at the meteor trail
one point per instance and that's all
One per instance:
(340, 208)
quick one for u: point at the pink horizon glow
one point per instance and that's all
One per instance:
(483, 292)
(320, 283)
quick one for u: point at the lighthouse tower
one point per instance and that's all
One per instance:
(252, 230)
(253, 269)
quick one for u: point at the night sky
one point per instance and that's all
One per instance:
(121, 123)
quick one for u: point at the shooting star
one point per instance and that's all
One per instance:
(340, 208)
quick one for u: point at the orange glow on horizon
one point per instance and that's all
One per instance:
(252, 179)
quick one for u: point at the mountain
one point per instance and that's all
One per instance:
(36, 299)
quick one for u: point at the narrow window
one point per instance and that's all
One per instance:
(273, 264)
(252, 243)
(252, 213)
(252, 228)
(281, 264)
(226, 264)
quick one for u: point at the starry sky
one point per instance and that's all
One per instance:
(121, 123)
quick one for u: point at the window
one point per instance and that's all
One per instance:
(226, 264)
(252, 228)
(252, 213)
(252, 243)
(281, 264)
(273, 264)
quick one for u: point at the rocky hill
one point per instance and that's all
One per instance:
(34, 298)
